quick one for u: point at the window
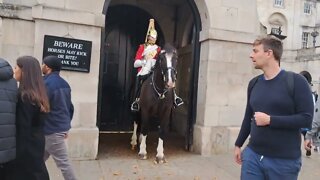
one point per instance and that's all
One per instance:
(307, 8)
(305, 39)
(278, 3)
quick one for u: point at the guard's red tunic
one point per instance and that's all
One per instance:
(153, 54)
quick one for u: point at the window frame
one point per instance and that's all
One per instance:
(307, 6)
(278, 3)
(304, 39)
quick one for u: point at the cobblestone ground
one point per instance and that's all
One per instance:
(117, 161)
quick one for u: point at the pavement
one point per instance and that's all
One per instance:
(117, 161)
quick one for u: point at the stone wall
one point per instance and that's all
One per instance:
(23, 26)
(228, 29)
(304, 59)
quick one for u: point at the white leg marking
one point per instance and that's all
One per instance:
(143, 146)
(160, 149)
(134, 135)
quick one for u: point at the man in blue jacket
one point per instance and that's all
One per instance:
(8, 100)
(273, 117)
(58, 121)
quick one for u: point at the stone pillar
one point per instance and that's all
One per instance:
(225, 70)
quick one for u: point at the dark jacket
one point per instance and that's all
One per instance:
(61, 108)
(8, 99)
(30, 143)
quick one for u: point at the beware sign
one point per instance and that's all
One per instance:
(75, 54)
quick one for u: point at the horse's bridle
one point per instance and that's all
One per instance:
(155, 88)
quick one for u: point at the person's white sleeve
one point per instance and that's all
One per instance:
(314, 130)
(139, 63)
(315, 123)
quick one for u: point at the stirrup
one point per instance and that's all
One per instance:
(135, 106)
(178, 101)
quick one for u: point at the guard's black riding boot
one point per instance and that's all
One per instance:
(135, 107)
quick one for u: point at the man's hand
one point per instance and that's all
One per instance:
(237, 155)
(262, 119)
(66, 136)
(307, 145)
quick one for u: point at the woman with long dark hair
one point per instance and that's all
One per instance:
(32, 106)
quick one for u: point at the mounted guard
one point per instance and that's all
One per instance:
(145, 60)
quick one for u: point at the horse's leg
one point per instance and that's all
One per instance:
(160, 154)
(134, 136)
(164, 122)
(144, 130)
(143, 148)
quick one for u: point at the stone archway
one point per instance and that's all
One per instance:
(190, 53)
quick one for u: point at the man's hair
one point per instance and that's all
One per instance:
(53, 62)
(306, 75)
(270, 42)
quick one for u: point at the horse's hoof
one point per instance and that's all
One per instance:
(160, 160)
(133, 147)
(143, 156)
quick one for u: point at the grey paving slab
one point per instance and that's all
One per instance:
(117, 161)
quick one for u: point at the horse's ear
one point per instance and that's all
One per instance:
(175, 54)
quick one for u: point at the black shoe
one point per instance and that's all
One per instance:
(135, 106)
(308, 153)
(178, 101)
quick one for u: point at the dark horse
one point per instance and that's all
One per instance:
(156, 100)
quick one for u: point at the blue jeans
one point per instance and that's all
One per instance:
(56, 147)
(259, 167)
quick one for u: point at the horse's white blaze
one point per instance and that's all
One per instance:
(134, 134)
(160, 149)
(143, 149)
(169, 65)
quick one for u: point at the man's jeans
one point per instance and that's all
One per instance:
(56, 147)
(259, 167)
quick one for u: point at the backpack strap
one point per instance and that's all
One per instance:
(290, 82)
(252, 83)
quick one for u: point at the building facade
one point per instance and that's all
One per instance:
(213, 38)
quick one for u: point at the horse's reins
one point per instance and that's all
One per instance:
(155, 88)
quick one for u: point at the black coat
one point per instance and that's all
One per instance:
(30, 143)
(8, 100)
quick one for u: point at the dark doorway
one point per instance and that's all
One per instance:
(126, 28)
